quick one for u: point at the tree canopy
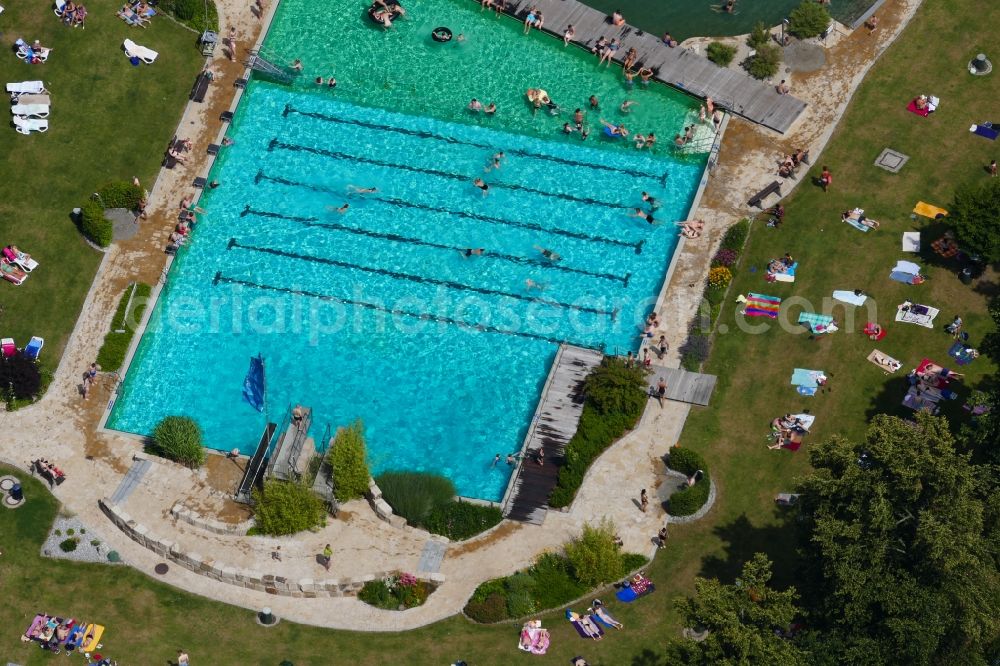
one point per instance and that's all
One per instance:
(898, 560)
(742, 623)
(975, 214)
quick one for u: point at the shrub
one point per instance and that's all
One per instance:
(70, 532)
(120, 194)
(394, 591)
(461, 520)
(554, 582)
(736, 236)
(178, 438)
(719, 277)
(617, 390)
(721, 54)
(686, 461)
(688, 500)
(808, 20)
(95, 542)
(415, 495)
(520, 603)
(286, 507)
(695, 349)
(93, 224)
(759, 36)
(20, 377)
(765, 63)
(594, 555)
(375, 593)
(491, 609)
(633, 561)
(197, 14)
(725, 257)
(111, 356)
(68, 545)
(348, 460)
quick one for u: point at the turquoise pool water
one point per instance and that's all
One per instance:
(375, 313)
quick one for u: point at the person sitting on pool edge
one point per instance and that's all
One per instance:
(691, 228)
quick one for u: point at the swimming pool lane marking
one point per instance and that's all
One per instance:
(333, 154)
(447, 139)
(548, 265)
(420, 279)
(400, 203)
(483, 328)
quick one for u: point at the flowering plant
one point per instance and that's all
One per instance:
(724, 257)
(719, 277)
(390, 581)
(407, 580)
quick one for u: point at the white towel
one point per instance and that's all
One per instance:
(906, 267)
(849, 297)
(911, 241)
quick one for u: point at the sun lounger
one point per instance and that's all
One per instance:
(986, 131)
(34, 347)
(849, 297)
(30, 110)
(911, 241)
(929, 210)
(786, 499)
(20, 259)
(11, 273)
(33, 99)
(818, 323)
(921, 315)
(28, 54)
(7, 347)
(761, 305)
(25, 88)
(29, 125)
(887, 363)
(133, 50)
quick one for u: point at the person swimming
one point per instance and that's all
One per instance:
(481, 184)
(495, 162)
(547, 253)
(473, 252)
(354, 189)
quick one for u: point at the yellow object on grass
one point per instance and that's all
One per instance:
(927, 210)
(92, 637)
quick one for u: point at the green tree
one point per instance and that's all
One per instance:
(178, 438)
(349, 463)
(739, 621)
(721, 54)
(975, 214)
(759, 36)
(765, 63)
(898, 567)
(594, 555)
(616, 390)
(286, 507)
(808, 19)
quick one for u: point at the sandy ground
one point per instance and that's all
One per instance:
(61, 427)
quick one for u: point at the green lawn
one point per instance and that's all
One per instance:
(109, 120)
(147, 621)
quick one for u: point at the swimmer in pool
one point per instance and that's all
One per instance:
(531, 285)
(640, 213)
(473, 251)
(354, 189)
(495, 162)
(548, 254)
(341, 210)
(481, 184)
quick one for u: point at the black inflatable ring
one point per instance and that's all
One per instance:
(441, 34)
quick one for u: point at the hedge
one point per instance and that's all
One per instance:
(689, 499)
(686, 461)
(461, 520)
(196, 14)
(93, 224)
(615, 396)
(348, 460)
(116, 342)
(120, 194)
(427, 501)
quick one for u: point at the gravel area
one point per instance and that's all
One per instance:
(85, 551)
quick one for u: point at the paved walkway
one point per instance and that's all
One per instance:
(61, 426)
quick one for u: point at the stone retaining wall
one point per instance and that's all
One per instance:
(181, 512)
(255, 580)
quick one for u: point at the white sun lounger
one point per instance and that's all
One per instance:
(30, 110)
(29, 125)
(33, 99)
(42, 53)
(26, 88)
(133, 50)
(25, 262)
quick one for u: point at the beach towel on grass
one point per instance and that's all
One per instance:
(929, 210)
(628, 594)
(817, 323)
(985, 132)
(884, 361)
(921, 315)
(911, 241)
(857, 224)
(761, 305)
(912, 108)
(960, 352)
(583, 632)
(849, 297)
(906, 272)
(807, 378)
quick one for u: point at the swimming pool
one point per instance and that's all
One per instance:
(375, 312)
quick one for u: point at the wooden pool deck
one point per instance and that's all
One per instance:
(553, 425)
(757, 101)
(682, 386)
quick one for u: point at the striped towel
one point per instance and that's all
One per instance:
(761, 305)
(817, 323)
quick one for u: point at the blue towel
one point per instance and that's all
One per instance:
(986, 132)
(807, 378)
(807, 391)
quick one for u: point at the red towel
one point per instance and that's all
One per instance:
(912, 108)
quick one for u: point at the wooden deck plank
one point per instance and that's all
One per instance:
(683, 386)
(553, 425)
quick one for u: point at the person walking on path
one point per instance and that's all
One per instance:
(327, 557)
(661, 537)
(643, 500)
(182, 658)
(276, 554)
(992, 168)
(89, 378)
